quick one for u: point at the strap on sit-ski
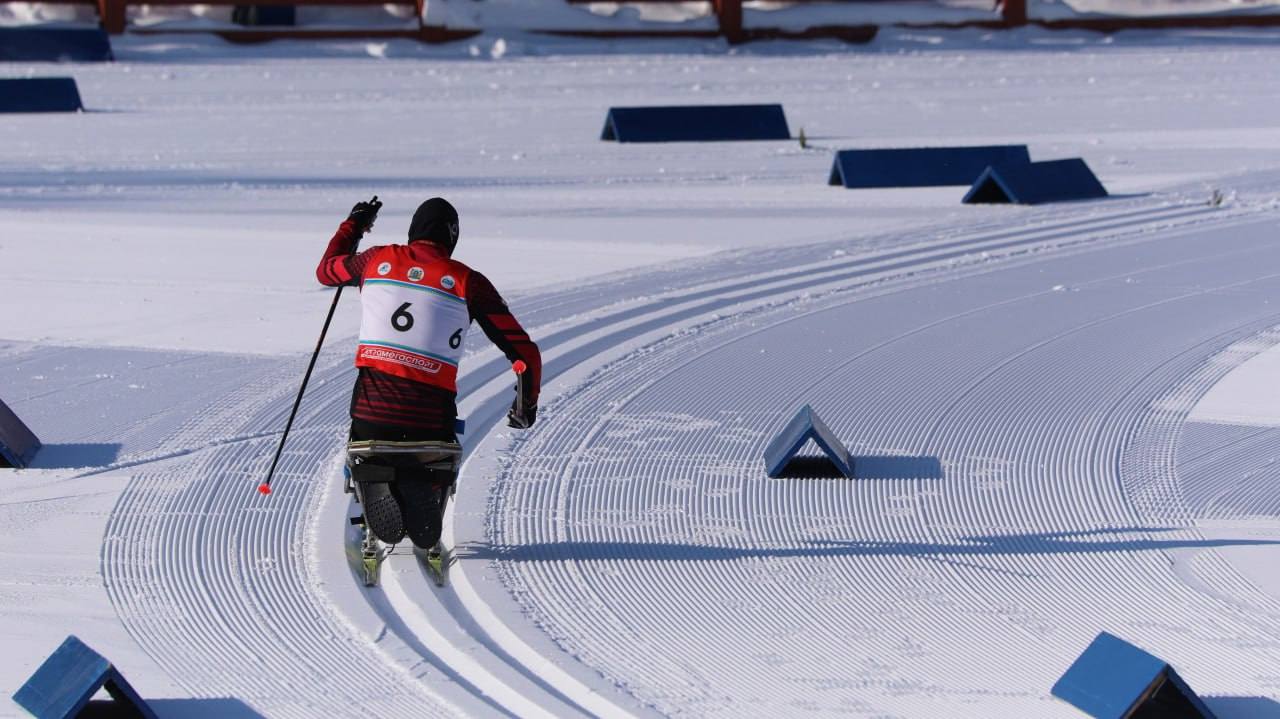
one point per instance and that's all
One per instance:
(431, 455)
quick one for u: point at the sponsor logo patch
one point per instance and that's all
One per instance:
(448, 282)
(384, 268)
(416, 274)
(406, 359)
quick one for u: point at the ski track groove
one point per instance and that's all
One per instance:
(212, 564)
(998, 237)
(1165, 215)
(183, 556)
(552, 590)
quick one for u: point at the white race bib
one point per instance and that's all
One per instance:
(427, 324)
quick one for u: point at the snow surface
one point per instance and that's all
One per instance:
(1042, 399)
(1247, 396)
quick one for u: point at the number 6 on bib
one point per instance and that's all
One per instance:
(401, 319)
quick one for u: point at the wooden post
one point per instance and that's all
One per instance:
(729, 13)
(111, 13)
(1014, 12)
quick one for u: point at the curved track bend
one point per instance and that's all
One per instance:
(1015, 493)
(235, 593)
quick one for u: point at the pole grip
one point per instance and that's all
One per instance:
(519, 368)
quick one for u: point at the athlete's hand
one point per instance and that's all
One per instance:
(523, 420)
(364, 213)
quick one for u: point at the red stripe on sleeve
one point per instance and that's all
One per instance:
(490, 312)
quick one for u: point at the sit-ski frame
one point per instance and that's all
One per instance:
(441, 456)
(433, 455)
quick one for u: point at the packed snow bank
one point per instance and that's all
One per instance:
(802, 15)
(1054, 9)
(521, 15)
(1249, 395)
(20, 13)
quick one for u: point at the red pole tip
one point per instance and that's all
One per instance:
(264, 488)
(519, 366)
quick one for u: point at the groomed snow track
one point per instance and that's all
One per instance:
(1017, 432)
(632, 528)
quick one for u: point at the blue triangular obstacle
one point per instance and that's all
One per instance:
(39, 94)
(1113, 679)
(17, 443)
(54, 44)
(69, 678)
(920, 166)
(1053, 181)
(803, 427)
(696, 123)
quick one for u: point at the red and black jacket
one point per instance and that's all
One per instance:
(387, 399)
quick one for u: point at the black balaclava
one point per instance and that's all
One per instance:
(435, 221)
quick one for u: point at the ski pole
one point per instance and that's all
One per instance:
(265, 487)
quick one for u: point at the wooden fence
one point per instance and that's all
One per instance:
(112, 15)
(1007, 14)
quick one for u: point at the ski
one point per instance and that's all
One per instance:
(437, 562)
(372, 552)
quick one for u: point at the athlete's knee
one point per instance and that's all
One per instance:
(423, 499)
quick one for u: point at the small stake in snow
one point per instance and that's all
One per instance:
(265, 487)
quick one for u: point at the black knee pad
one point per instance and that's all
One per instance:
(423, 494)
(378, 501)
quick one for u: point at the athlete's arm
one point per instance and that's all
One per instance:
(490, 312)
(339, 266)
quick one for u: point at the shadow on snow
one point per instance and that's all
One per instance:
(193, 708)
(75, 456)
(868, 467)
(1243, 707)
(1041, 543)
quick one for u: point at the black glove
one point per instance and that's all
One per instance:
(522, 420)
(364, 213)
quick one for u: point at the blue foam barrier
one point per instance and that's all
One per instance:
(39, 94)
(1113, 679)
(921, 166)
(54, 44)
(805, 425)
(696, 123)
(1036, 183)
(18, 444)
(68, 679)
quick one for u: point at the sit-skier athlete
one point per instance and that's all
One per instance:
(417, 304)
